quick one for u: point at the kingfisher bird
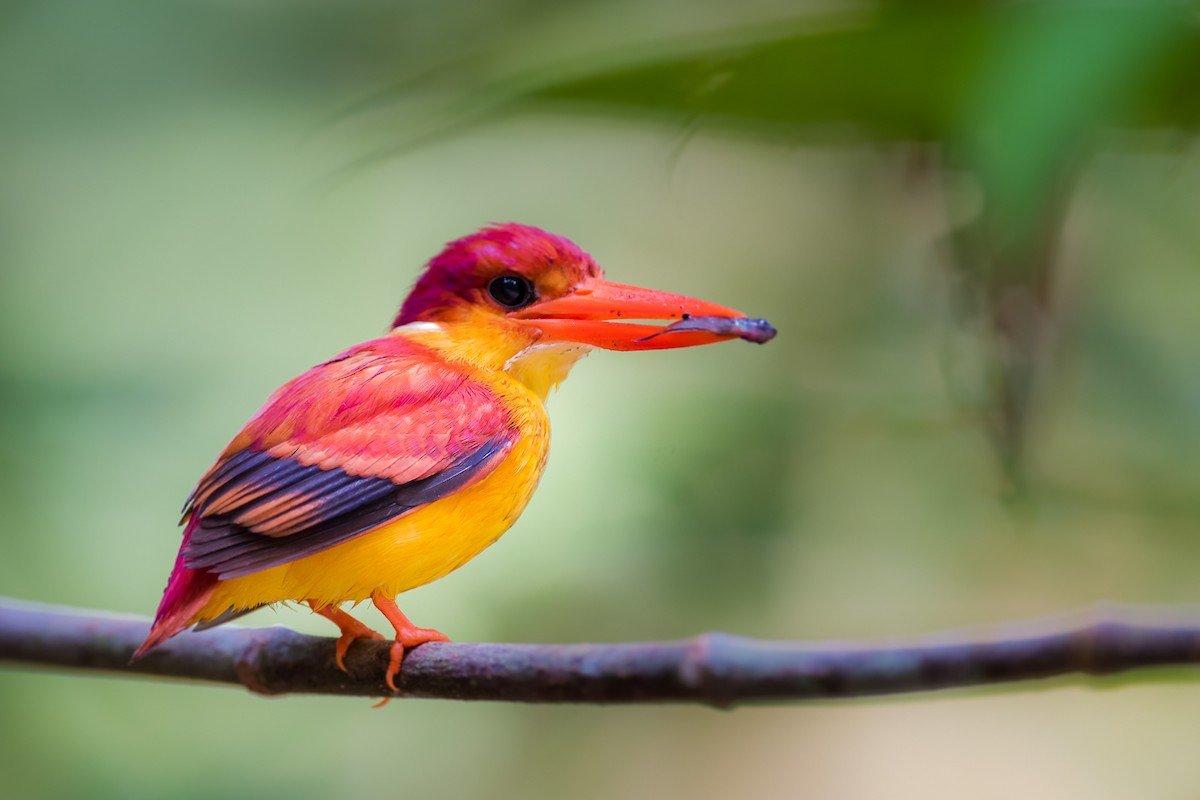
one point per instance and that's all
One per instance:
(402, 458)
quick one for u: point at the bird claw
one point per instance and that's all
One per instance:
(348, 638)
(351, 630)
(408, 637)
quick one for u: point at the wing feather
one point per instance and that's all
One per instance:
(353, 443)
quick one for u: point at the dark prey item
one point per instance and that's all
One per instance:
(752, 330)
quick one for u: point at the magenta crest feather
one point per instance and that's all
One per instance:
(460, 273)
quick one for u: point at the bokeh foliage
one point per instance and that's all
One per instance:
(1015, 95)
(973, 222)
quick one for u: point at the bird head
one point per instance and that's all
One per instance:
(545, 288)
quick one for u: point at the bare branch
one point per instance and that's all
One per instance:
(715, 669)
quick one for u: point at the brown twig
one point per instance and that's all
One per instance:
(714, 669)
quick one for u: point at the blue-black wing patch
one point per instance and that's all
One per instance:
(258, 511)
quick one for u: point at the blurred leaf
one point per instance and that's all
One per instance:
(912, 71)
(1051, 74)
(896, 77)
(1013, 90)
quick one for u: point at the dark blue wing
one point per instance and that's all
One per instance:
(275, 510)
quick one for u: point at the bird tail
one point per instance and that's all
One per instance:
(187, 592)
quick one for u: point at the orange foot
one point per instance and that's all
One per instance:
(351, 630)
(407, 635)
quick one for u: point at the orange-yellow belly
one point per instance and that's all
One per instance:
(434, 540)
(409, 551)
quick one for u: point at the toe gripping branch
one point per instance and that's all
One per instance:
(408, 635)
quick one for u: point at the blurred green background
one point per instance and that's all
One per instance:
(974, 225)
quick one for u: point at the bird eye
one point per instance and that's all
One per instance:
(511, 291)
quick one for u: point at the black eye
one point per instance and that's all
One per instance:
(511, 291)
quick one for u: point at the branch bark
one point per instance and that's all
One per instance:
(716, 669)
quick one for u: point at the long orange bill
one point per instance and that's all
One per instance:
(587, 316)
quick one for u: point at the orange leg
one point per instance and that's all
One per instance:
(407, 635)
(350, 627)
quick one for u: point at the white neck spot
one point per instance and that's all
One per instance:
(419, 327)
